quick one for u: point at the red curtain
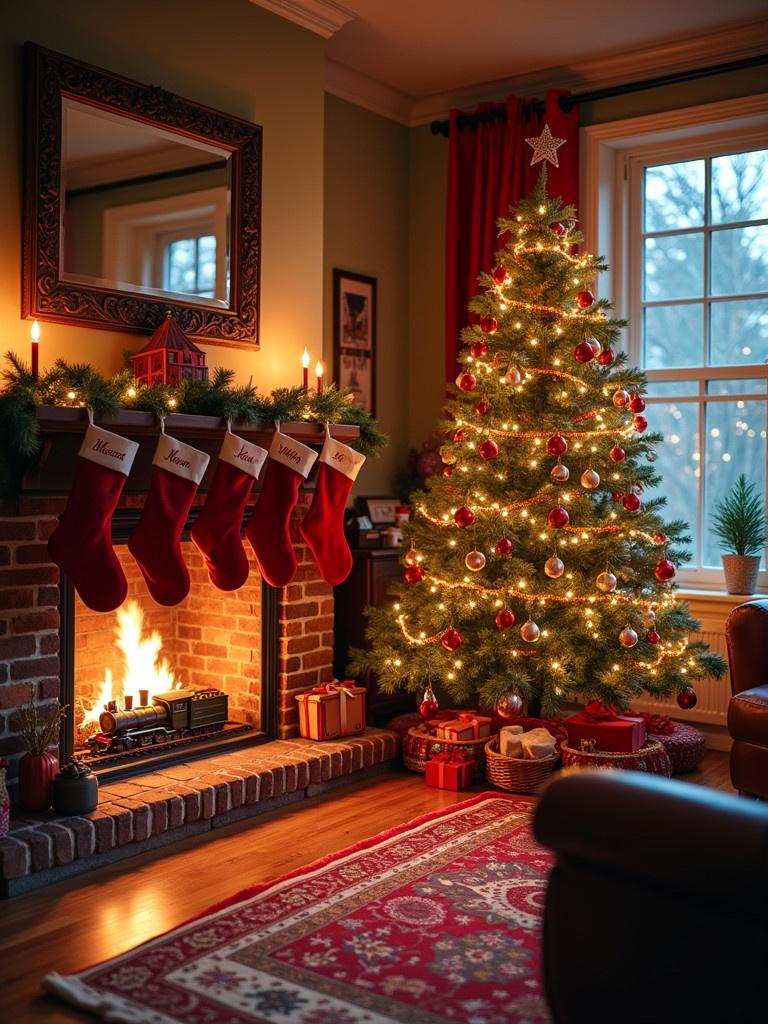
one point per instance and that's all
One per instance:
(489, 169)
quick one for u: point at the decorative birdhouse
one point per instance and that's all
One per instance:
(169, 357)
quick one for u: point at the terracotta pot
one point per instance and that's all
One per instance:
(741, 573)
(36, 772)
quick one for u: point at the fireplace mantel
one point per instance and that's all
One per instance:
(61, 431)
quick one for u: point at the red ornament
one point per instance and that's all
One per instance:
(585, 299)
(631, 502)
(504, 618)
(467, 382)
(488, 450)
(482, 407)
(558, 228)
(617, 453)
(606, 357)
(479, 348)
(499, 274)
(451, 639)
(464, 516)
(660, 538)
(558, 517)
(447, 470)
(637, 402)
(489, 325)
(503, 546)
(617, 496)
(664, 570)
(687, 698)
(557, 445)
(428, 707)
(584, 352)
(640, 423)
(458, 435)
(414, 574)
(653, 637)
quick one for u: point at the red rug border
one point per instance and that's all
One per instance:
(321, 862)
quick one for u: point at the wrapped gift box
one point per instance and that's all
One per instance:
(455, 729)
(607, 728)
(450, 770)
(481, 724)
(331, 710)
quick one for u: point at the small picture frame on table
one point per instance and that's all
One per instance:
(380, 511)
(354, 336)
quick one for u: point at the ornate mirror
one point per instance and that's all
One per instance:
(137, 202)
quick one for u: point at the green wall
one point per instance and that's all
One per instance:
(366, 231)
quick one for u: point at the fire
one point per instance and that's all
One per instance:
(142, 667)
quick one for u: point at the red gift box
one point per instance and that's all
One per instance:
(455, 770)
(610, 730)
(481, 724)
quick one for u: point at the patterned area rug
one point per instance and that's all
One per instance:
(436, 921)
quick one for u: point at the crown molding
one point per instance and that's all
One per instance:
(323, 17)
(732, 42)
(351, 85)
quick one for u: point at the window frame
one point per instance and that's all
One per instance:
(614, 158)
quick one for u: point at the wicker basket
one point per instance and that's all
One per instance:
(517, 774)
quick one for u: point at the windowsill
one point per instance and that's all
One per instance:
(716, 596)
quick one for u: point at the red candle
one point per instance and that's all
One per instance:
(35, 333)
(305, 366)
(319, 372)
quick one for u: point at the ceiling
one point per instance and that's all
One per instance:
(413, 60)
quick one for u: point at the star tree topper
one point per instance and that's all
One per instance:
(545, 147)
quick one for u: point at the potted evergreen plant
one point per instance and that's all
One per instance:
(739, 523)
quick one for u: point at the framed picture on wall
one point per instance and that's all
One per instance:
(354, 335)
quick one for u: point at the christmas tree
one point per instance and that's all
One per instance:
(538, 566)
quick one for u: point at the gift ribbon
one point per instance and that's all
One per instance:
(455, 756)
(599, 711)
(658, 725)
(327, 689)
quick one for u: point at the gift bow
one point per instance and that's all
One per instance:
(659, 725)
(326, 688)
(448, 756)
(599, 711)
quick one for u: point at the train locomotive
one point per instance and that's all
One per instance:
(171, 716)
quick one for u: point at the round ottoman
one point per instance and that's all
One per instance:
(685, 746)
(652, 758)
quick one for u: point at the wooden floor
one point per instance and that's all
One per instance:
(76, 923)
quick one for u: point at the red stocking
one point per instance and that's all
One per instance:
(323, 525)
(177, 469)
(269, 528)
(81, 545)
(217, 531)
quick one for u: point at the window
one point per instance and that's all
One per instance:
(698, 300)
(189, 265)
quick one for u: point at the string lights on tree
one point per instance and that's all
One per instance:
(579, 575)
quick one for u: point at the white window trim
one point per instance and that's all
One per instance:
(609, 153)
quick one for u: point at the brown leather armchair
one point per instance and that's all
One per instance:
(657, 906)
(746, 633)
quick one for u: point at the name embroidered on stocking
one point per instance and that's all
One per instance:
(173, 456)
(103, 449)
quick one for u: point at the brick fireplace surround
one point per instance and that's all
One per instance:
(183, 799)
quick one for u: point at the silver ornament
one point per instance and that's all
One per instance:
(448, 456)
(475, 561)
(513, 376)
(554, 567)
(411, 557)
(627, 637)
(595, 345)
(620, 398)
(590, 479)
(530, 632)
(606, 582)
(509, 705)
(560, 473)
(649, 617)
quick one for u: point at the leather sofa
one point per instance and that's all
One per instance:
(657, 906)
(746, 633)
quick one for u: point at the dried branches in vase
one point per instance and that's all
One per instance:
(40, 731)
(38, 767)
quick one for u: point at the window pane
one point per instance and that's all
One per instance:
(738, 332)
(674, 196)
(677, 462)
(736, 443)
(665, 388)
(181, 265)
(740, 260)
(737, 387)
(672, 336)
(740, 187)
(206, 268)
(674, 267)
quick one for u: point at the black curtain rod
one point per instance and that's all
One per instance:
(567, 103)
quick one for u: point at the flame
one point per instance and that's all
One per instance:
(141, 668)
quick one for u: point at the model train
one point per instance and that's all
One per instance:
(170, 716)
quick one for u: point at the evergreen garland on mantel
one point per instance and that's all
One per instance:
(78, 385)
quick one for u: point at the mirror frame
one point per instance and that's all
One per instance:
(52, 77)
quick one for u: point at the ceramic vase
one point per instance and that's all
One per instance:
(36, 772)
